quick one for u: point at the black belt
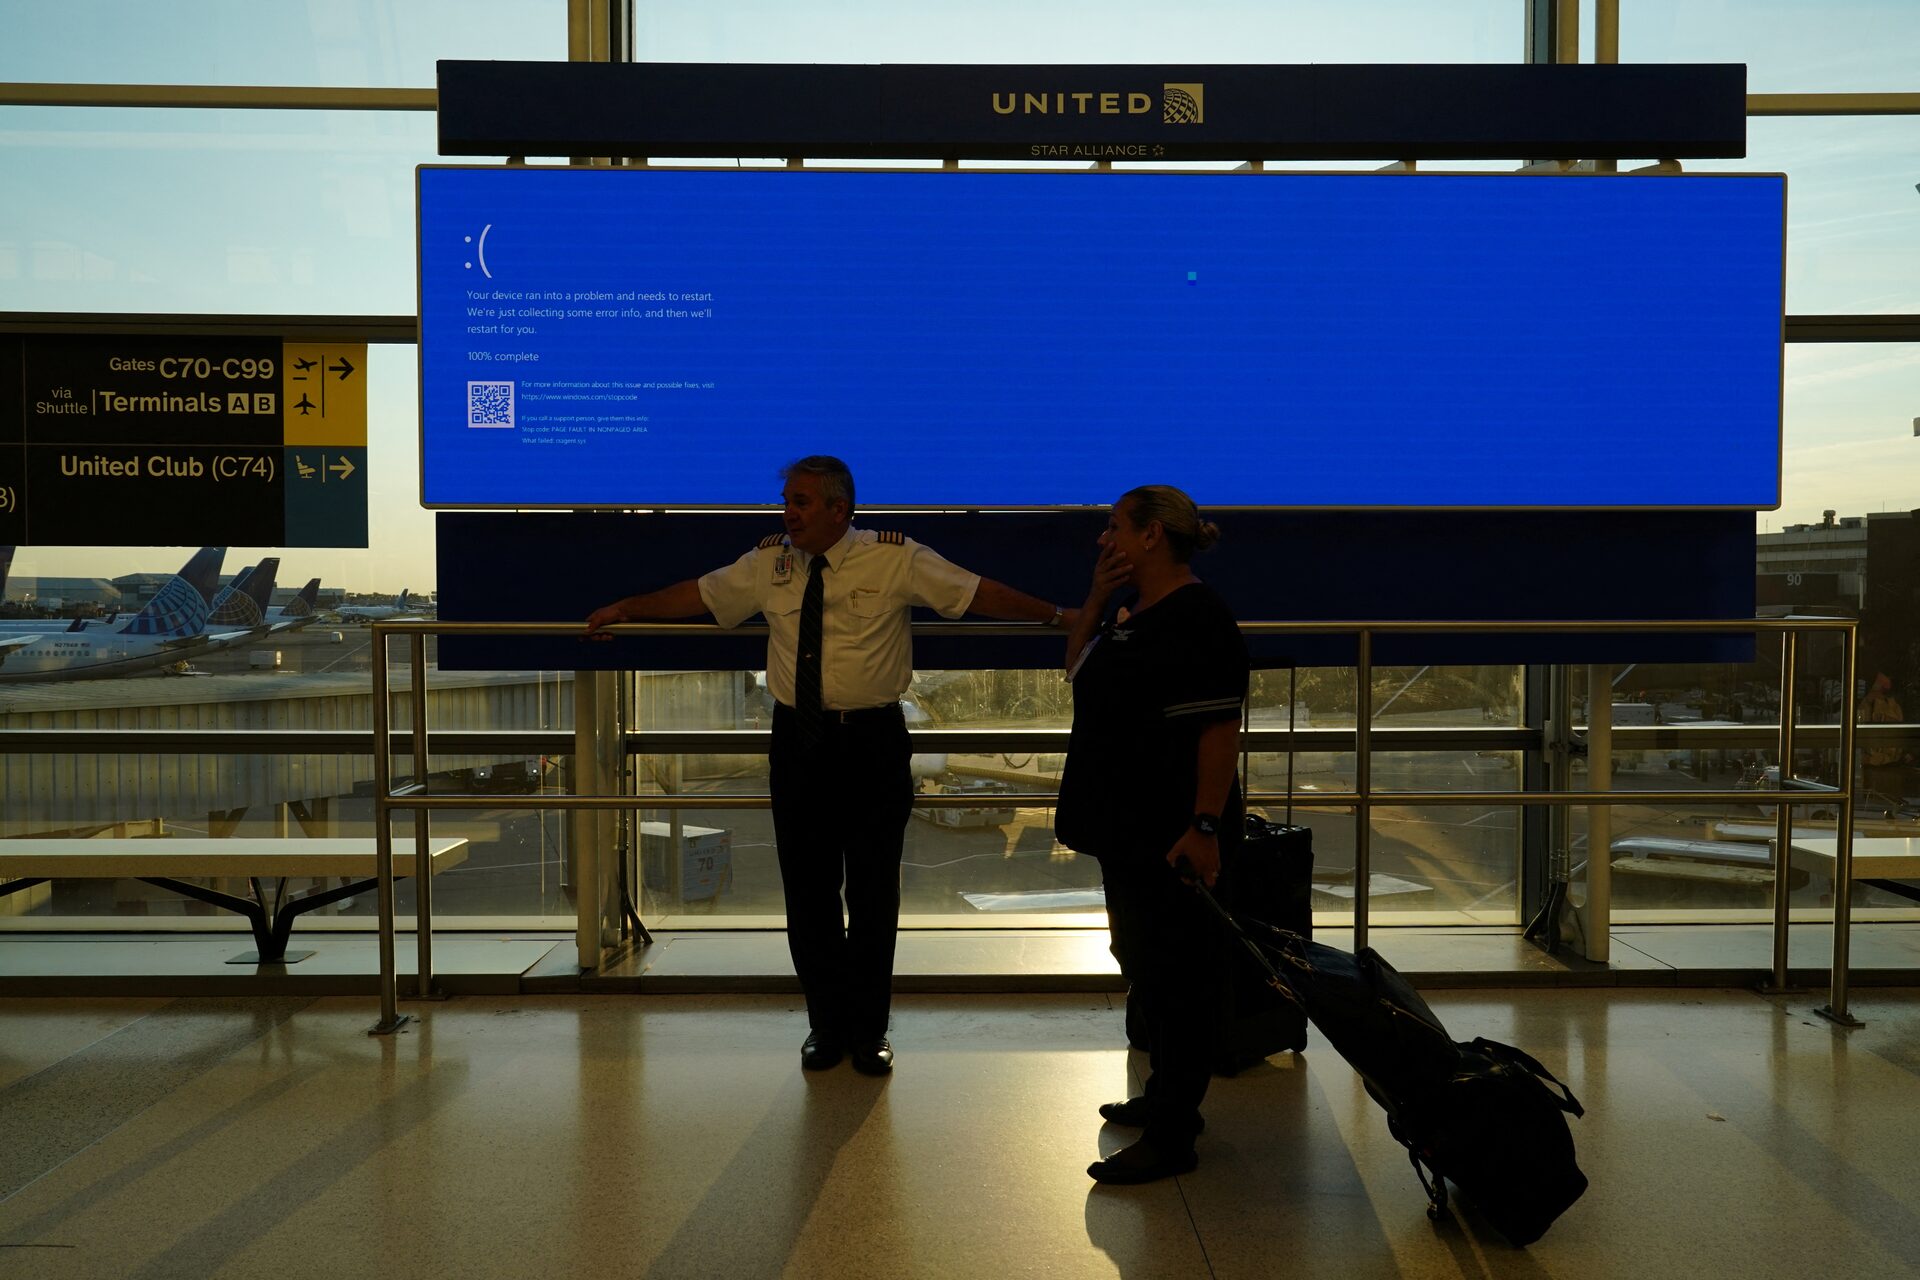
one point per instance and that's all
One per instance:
(859, 715)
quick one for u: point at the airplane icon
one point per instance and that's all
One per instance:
(305, 405)
(304, 365)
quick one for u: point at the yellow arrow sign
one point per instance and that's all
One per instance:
(324, 393)
(344, 467)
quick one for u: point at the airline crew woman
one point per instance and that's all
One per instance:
(1149, 786)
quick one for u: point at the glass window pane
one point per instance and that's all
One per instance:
(367, 43)
(515, 869)
(1789, 46)
(1403, 697)
(244, 212)
(1119, 31)
(1850, 445)
(1033, 699)
(1716, 864)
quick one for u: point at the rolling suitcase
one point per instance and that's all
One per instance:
(1482, 1114)
(1268, 877)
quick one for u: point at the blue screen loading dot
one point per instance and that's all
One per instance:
(1193, 277)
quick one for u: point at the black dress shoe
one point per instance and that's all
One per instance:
(873, 1057)
(1136, 1113)
(820, 1051)
(1142, 1162)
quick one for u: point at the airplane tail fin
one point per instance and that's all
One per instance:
(302, 605)
(245, 603)
(182, 605)
(227, 592)
(401, 603)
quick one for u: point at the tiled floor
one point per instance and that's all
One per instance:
(665, 1136)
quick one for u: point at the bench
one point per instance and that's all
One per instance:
(1724, 864)
(1889, 863)
(1717, 873)
(162, 861)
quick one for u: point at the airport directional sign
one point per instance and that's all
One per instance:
(137, 440)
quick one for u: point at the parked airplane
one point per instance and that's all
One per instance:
(172, 627)
(400, 608)
(298, 612)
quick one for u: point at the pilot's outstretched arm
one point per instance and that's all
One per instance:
(681, 600)
(1008, 604)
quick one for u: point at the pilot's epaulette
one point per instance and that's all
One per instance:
(772, 540)
(891, 537)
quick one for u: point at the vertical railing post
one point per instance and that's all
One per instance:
(1362, 786)
(1836, 1006)
(1783, 816)
(610, 748)
(584, 824)
(422, 859)
(390, 1016)
(1597, 931)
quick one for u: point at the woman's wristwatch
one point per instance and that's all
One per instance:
(1206, 824)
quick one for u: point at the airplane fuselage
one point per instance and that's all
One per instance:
(94, 655)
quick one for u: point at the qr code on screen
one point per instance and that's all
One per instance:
(490, 404)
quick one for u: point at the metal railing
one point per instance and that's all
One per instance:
(414, 796)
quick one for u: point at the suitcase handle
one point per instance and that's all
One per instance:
(1274, 980)
(1494, 1049)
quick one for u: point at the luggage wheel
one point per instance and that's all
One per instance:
(1436, 1189)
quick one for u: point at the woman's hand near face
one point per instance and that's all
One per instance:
(1110, 572)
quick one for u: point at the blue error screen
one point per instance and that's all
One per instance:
(997, 339)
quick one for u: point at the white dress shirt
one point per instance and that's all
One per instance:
(871, 584)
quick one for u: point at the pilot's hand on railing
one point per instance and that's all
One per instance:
(607, 616)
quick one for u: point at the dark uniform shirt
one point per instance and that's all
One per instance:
(1142, 695)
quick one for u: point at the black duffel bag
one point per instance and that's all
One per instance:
(1497, 1129)
(1483, 1115)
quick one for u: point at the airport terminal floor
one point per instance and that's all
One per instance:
(1726, 1133)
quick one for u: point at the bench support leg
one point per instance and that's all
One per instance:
(255, 912)
(285, 913)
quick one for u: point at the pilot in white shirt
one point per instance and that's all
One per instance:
(839, 776)
(872, 582)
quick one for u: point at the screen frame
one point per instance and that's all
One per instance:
(1100, 169)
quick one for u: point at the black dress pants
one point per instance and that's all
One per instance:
(839, 818)
(1170, 952)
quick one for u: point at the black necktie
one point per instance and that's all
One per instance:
(806, 674)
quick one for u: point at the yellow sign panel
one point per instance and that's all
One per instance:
(324, 398)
